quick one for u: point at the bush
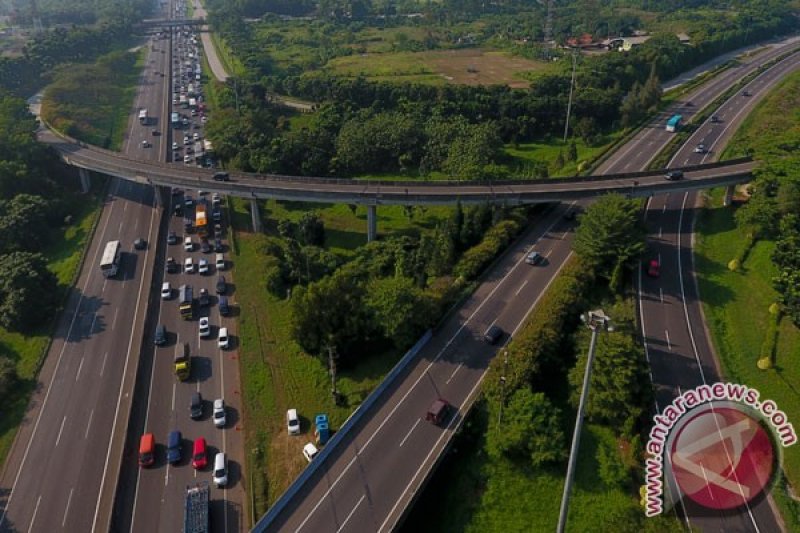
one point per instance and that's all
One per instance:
(477, 258)
(767, 354)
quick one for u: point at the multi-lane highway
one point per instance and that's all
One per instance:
(680, 352)
(59, 474)
(152, 499)
(366, 483)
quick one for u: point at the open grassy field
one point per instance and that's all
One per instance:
(276, 373)
(465, 66)
(93, 103)
(26, 350)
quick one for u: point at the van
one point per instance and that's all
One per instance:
(224, 308)
(147, 449)
(437, 412)
(174, 447)
(220, 262)
(220, 470)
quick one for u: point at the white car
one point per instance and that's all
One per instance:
(176, 146)
(166, 291)
(202, 266)
(196, 136)
(188, 245)
(187, 140)
(204, 327)
(187, 159)
(145, 144)
(700, 149)
(204, 119)
(222, 339)
(310, 451)
(292, 422)
(220, 470)
(188, 266)
(219, 412)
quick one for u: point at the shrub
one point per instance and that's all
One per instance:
(477, 258)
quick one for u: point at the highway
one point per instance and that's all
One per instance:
(367, 482)
(677, 343)
(59, 474)
(152, 499)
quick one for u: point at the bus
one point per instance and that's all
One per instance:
(674, 123)
(143, 116)
(186, 302)
(109, 264)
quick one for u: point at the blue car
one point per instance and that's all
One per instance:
(174, 447)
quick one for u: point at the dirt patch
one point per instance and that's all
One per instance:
(474, 66)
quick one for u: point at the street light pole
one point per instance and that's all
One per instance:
(503, 390)
(571, 90)
(596, 321)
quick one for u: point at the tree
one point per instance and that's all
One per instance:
(400, 310)
(311, 229)
(23, 223)
(620, 387)
(531, 430)
(610, 235)
(8, 375)
(611, 468)
(28, 291)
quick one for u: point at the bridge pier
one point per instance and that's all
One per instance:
(372, 222)
(256, 215)
(86, 182)
(728, 198)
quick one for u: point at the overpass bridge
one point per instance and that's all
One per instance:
(171, 23)
(373, 193)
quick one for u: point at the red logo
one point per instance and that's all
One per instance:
(722, 458)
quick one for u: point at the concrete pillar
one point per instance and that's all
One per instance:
(256, 214)
(728, 198)
(86, 182)
(372, 222)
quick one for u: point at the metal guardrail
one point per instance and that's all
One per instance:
(340, 435)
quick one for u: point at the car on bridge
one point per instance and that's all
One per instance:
(674, 175)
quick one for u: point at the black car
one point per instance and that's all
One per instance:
(203, 299)
(172, 238)
(674, 175)
(221, 176)
(205, 247)
(140, 244)
(172, 265)
(216, 214)
(218, 231)
(224, 308)
(221, 285)
(218, 246)
(177, 210)
(493, 335)
(160, 337)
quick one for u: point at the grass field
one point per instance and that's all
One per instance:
(523, 155)
(98, 115)
(466, 66)
(736, 307)
(26, 350)
(276, 373)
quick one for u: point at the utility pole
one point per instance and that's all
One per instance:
(503, 389)
(332, 369)
(596, 321)
(571, 90)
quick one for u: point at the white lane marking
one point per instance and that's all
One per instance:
(664, 209)
(173, 395)
(58, 439)
(409, 432)
(119, 228)
(135, 224)
(521, 287)
(88, 425)
(35, 510)
(103, 368)
(414, 385)
(91, 327)
(114, 322)
(458, 367)
(669, 344)
(78, 375)
(122, 382)
(66, 511)
(103, 290)
(166, 475)
(661, 294)
(660, 232)
(350, 514)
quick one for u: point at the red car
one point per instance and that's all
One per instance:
(653, 268)
(199, 459)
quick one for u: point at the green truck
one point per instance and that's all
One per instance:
(183, 362)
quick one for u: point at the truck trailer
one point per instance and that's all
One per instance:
(195, 510)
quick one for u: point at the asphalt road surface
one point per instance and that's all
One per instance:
(680, 352)
(152, 499)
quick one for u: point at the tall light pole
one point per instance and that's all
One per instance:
(596, 321)
(571, 90)
(503, 390)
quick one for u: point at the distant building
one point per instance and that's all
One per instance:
(584, 41)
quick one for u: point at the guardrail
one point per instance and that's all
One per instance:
(356, 417)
